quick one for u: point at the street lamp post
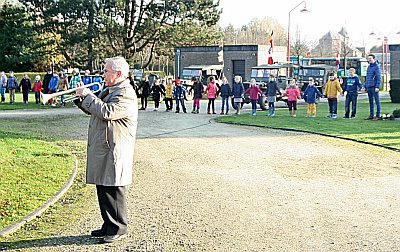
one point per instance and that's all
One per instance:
(385, 57)
(304, 10)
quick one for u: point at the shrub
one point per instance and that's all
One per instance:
(395, 90)
(396, 113)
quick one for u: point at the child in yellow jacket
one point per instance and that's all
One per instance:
(331, 92)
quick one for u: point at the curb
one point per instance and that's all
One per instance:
(38, 211)
(317, 133)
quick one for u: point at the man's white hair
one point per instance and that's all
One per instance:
(119, 64)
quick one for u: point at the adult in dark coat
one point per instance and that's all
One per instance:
(46, 80)
(111, 141)
(145, 86)
(157, 90)
(25, 85)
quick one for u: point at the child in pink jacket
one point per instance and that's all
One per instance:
(255, 93)
(293, 94)
(211, 92)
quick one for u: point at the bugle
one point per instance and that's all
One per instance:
(46, 97)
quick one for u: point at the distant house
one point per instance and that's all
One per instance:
(334, 42)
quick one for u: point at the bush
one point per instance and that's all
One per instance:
(395, 90)
(396, 113)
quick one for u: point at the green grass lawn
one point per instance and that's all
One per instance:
(32, 167)
(386, 132)
(31, 172)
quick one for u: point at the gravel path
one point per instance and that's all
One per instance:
(202, 186)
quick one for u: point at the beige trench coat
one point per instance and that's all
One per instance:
(111, 135)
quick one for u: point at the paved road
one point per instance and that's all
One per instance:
(203, 186)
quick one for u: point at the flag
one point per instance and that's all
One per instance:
(271, 48)
(221, 52)
(337, 60)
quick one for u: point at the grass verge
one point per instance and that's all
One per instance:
(385, 132)
(41, 147)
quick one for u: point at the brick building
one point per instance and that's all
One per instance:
(237, 59)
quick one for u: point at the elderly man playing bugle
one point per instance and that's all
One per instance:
(110, 148)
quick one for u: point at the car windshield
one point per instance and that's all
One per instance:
(313, 72)
(191, 73)
(259, 73)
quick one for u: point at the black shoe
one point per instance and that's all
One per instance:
(98, 233)
(176, 111)
(345, 117)
(113, 238)
(142, 108)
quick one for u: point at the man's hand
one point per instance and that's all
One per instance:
(82, 92)
(376, 90)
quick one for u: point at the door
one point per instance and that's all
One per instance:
(239, 68)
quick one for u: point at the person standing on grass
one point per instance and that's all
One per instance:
(157, 90)
(12, 85)
(211, 91)
(331, 92)
(62, 86)
(168, 95)
(372, 85)
(87, 79)
(111, 142)
(25, 85)
(351, 86)
(37, 88)
(75, 79)
(293, 94)
(97, 78)
(255, 93)
(46, 80)
(310, 96)
(237, 93)
(198, 90)
(3, 86)
(226, 93)
(272, 91)
(53, 86)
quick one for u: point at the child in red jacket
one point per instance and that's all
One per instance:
(255, 93)
(293, 94)
(37, 88)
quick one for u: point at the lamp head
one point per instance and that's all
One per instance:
(305, 9)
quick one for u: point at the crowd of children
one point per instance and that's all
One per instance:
(173, 90)
(236, 92)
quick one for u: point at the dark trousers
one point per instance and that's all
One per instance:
(25, 94)
(37, 97)
(351, 97)
(372, 95)
(332, 106)
(112, 202)
(211, 102)
(168, 103)
(254, 104)
(292, 105)
(182, 102)
(156, 103)
(143, 100)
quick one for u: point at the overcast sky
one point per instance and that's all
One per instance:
(359, 17)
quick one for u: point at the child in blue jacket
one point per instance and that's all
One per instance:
(310, 96)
